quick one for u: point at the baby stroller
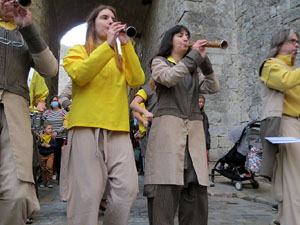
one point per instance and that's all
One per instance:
(232, 165)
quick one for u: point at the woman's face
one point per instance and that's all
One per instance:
(180, 42)
(54, 103)
(102, 23)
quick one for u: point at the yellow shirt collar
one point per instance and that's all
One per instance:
(8, 25)
(171, 59)
(287, 59)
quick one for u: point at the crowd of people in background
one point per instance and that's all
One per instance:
(84, 138)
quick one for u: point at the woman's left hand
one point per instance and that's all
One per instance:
(124, 39)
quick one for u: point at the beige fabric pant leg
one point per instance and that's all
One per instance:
(290, 127)
(86, 175)
(95, 155)
(122, 177)
(18, 199)
(63, 182)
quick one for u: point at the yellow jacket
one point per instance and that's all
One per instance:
(143, 94)
(38, 90)
(66, 120)
(99, 89)
(287, 81)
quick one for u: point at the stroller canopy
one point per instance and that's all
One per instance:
(242, 135)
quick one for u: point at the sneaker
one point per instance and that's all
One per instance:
(50, 185)
(42, 184)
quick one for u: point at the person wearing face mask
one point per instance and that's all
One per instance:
(100, 149)
(280, 88)
(55, 115)
(176, 171)
(21, 47)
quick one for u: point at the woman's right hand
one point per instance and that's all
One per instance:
(200, 47)
(113, 32)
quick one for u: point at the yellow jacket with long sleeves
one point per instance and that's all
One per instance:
(287, 81)
(99, 89)
(38, 90)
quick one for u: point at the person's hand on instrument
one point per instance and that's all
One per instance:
(22, 17)
(200, 47)
(124, 39)
(114, 32)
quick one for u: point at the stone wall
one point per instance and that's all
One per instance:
(248, 27)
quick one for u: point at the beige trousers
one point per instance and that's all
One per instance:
(18, 199)
(97, 156)
(287, 170)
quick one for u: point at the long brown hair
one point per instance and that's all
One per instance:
(166, 44)
(91, 36)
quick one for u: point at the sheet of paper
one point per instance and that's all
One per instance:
(282, 140)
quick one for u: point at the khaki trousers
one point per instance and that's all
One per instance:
(97, 156)
(286, 176)
(18, 199)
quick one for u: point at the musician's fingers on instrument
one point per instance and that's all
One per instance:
(117, 28)
(202, 43)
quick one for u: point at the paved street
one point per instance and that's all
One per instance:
(226, 206)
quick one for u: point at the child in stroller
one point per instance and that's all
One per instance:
(246, 150)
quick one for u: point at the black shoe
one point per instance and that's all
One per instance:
(103, 205)
(29, 221)
(275, 208)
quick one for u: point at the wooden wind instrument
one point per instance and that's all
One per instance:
(221, 44)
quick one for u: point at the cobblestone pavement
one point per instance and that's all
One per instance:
(225, 207)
